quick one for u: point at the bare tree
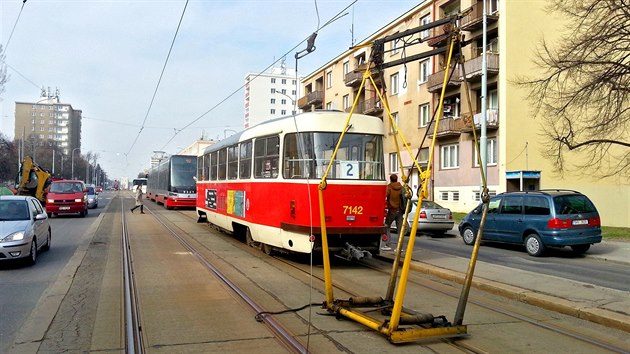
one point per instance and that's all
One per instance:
(4, 77)
(582, 91)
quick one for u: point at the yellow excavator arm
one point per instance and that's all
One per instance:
(32, 180)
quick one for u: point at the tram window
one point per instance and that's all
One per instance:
(233, 162)
(266, 156)
(245, 161)
(222, 164)
(293, 165)
(214, 161)
(201, 176)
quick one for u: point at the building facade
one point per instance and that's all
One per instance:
(48, 124)
(412, 90)
(270, 95)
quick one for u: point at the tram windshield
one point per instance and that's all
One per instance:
(183, 170)
(360, 156)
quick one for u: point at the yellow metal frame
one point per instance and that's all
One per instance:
(389, 327)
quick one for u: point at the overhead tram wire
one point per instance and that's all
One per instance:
(6, 46)
(22, 75)
(332, 19)
(160, 79)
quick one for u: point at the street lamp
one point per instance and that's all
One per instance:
(73, 160)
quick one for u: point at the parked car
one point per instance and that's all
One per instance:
(433, 219)
(537, 219)
(92, 197)
(24, 228)
(67, 197)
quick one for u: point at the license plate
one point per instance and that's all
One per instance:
(64, 208)
(438, 216)
(580, 222)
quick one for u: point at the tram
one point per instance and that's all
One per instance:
(262, 183)
(172, 182)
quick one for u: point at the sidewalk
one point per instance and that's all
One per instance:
(597, 304)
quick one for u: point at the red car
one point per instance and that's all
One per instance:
(99, 189)
(67, 197)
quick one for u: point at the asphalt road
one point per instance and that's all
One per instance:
(22, 286)
(557, 262)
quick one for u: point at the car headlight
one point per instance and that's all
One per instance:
(50, 200)
(16, 236)
(78, 200)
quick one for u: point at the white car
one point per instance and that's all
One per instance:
(433, 219)
(24, 228)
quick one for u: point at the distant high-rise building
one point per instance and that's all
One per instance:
(270, 95)
(48, 123)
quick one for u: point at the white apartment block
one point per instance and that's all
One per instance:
(270, 95)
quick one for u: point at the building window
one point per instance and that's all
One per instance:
(283, 101)
(329, 106)
(346, 67)
(273, 111)
(424, 155)
(425, 70)
(444, 196)
(395, 117)
(394, 83)
(283, 112)
(273, 101)
(284, 81)
(455, 196)
(477, 196)
(449, 156)
(393, 162)
(424, 115)
(284, 91)
(293, 92)
(423, 21)
(42, 129)
(293, 83)
(33, 114)
(273, 80)
(346, 101)
(41, 114)
(491, 155)
(329, 79)
(273, 90)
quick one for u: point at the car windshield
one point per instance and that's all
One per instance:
(65, 187)
(13, 210)
(90, 190)
(573, 204)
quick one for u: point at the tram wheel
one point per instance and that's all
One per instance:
(266, 248)
(248, 238)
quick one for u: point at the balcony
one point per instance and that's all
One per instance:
(438, 36)
(373, 107)
(353, 78)
(473, 67)
(314, 98)
(435, 81)
(448, 127)
(492, 120)
(473, 20)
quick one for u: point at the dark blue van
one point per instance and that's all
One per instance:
(537, 219)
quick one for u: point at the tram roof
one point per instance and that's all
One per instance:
(307, 122)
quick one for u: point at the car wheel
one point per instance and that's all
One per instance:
(468, 235)
(32, 258)
(534, 245)
(46, 247)
(49, 215)
(580, 249)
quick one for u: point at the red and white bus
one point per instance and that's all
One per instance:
(262, 183)
(172, 182)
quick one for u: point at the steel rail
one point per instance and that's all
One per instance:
(280, 332)
(133, 330)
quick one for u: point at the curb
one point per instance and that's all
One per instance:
(33, 331)
(597, 315)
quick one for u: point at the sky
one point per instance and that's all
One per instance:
(109, 59)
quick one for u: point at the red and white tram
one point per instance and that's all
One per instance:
(262, 183)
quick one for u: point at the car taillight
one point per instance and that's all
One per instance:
(450, 215)
(423, 214)
(556, 223)
(596, 221)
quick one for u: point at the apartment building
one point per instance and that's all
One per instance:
(270, 95)
(412, 90)
(47, 124)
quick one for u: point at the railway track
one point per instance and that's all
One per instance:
(491, 307)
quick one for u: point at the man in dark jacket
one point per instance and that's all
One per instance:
(394, 208)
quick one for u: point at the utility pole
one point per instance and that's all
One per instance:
(483, 139)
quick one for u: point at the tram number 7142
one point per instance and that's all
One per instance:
(352, 210)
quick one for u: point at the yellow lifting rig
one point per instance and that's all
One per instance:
(404, 325)
(32, 180)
